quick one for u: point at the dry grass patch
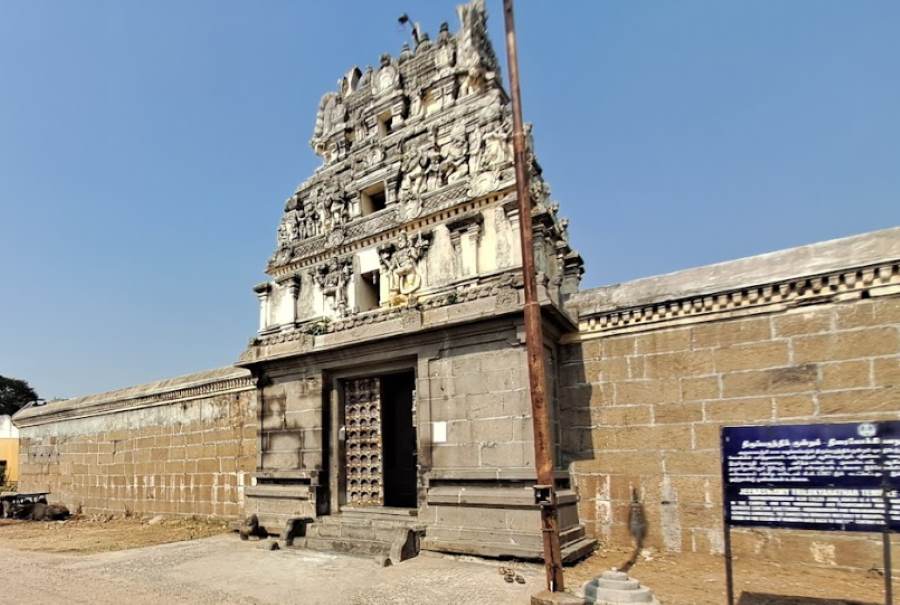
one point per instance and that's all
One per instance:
(698, 579)
(83, 535)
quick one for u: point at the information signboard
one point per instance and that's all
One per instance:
(831, 477)
(822, 476)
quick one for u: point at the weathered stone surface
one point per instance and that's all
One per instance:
(806, 349)
(404, 546)
(156, 449)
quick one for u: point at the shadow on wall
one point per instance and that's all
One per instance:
(574, 404)
(759, 598)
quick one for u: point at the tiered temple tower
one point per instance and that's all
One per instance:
(390, 355)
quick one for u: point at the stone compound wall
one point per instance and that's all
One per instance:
(656, 367)
(647, 387)
(184, 446)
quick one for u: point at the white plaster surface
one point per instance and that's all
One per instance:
(7, 429)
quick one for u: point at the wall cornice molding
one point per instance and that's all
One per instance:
(881, 279)
(61, 412)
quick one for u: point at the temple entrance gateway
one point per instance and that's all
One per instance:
(390, 347)
(379, 441)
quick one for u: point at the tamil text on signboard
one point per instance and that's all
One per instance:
(841, 477)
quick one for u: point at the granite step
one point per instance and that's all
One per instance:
(364, 534)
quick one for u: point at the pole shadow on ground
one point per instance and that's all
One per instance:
(760, 598)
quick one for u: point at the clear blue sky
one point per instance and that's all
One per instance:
(146, 149)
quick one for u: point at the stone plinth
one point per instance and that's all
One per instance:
(614, 587)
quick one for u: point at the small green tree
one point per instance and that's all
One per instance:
(14, 394)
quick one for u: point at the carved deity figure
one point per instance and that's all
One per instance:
(310, 224)
(422, 169)
(336, 210)
(473, 81)
(362, 130)
(417, 104)
(414, 169)
(476, 141)
(332, 279)
(432, 161)
(286, 236)
(445, 57)
(455, 165)
(293, 228)
(400, 261)
(282, 238)
(332, 210)
(490, 151)
(283, 249)
(496, 146)
(387, 79)
(539, 190)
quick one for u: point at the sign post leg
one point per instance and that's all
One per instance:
(888, 572)
(886, 494)
(729, 577)
(726, 527)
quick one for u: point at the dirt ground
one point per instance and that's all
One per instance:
(224, 570)
(82, 535)
(185, 561)
(697, 579)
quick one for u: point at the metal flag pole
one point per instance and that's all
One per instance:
(545, 491)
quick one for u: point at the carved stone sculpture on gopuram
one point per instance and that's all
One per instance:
(414, 203)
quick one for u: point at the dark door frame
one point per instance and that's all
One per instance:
(337, 496)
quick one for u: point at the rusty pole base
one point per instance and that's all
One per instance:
(545, 597)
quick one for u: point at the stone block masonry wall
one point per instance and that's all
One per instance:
(644, 409)
(479, 391)
(183, 447)
(479, 497)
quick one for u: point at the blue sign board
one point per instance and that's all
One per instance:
(841, 477)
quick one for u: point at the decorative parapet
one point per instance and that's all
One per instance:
(504, 287)
(385, 226)
(860, 282)
(167, 392)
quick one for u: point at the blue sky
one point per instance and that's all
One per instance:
(146, 149)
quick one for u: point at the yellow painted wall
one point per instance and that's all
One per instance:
(9, 451)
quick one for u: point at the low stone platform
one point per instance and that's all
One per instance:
(396, 534)
(500, 520)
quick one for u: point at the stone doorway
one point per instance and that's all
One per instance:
(379, 441)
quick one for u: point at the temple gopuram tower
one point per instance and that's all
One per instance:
(390, 360)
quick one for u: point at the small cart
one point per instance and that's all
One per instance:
(15, 505)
